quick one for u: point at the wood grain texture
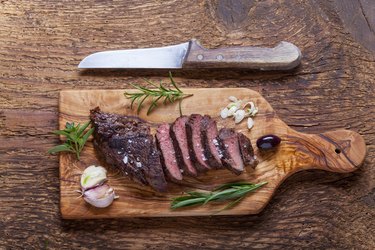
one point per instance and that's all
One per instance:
(42, 42)
(340, 151)
(284, 56)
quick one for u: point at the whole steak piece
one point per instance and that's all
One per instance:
(126, 143)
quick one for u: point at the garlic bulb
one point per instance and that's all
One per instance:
(93, 189)
(100, 196)
(93, 176)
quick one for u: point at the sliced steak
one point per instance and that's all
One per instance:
(247, 150)
(196, 151)
(232, 158)
(180, 143)
(168, 154)
(126, 143)
(210, 144)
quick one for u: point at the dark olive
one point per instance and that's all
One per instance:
(268, 142)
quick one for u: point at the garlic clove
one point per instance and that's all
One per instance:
(100, 196)
(232, 98)
(254, 112)
(239, 115)
(250, 123)
(224, 113)
(93, 176)
(232, 110)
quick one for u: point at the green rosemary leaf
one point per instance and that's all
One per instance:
(140, 103)
(153, 105)
(76, 138)
(236, 184)
(188, 202)
(233, 192)
(82, 128)
(60, 148)
(221, 195)
(159, 93)
(86, 136)
(173, 82)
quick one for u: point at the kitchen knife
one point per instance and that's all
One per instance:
(192, 55)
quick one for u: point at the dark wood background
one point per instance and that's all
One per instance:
(41, 43)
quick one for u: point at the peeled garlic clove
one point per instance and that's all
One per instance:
(224, 113)
(232, 99)
(101, 196)
(93, 176)
(239, 115)
(232, 110)
(250, 123)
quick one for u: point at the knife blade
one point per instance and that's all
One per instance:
(283, 56)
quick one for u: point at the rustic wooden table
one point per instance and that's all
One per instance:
(41, 43)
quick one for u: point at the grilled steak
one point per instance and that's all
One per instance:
(232, 158)
(247, 150)
(196, 151)
(168, 154)
(189, 144)
(180, 143)
(209, 141)
(126, 143)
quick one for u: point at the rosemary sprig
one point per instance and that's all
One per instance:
(230, 191)
(75, 138)
(159, 93)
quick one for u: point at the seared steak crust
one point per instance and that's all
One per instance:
(190, 144)
(126, 143)
(247, 151)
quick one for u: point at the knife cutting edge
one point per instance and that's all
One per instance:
(283, 56)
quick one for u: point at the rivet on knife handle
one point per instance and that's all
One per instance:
(282, 57)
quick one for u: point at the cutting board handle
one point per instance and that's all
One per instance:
(340, 151)
(284, 56)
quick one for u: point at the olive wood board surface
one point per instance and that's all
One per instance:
(335, 151)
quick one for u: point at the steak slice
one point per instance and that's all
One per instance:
(168, 154)
(196, 151)
(126, 143)
(180, 143)
(247, 150)
(232, 158)
(210, 144)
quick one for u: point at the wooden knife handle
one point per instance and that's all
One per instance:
(284, 56)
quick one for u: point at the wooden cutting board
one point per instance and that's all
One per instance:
(336, 151)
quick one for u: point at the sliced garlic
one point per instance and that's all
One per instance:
(100, 196)
(232, 99)
(250, 123)
(93, 176)
(239, 115)
(224, 113)
(255, 111)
